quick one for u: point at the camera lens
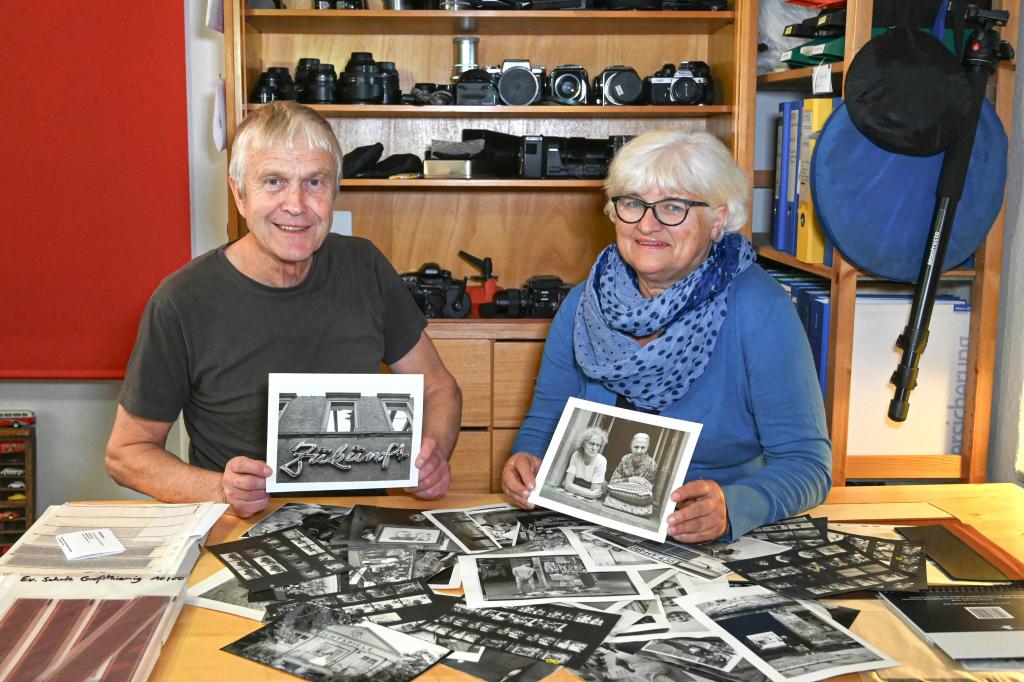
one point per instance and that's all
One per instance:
(320, 89)
(518, 86)
(361, 84)
(686, 91)
(442, 96)
(567, 86)
(421, 92)
(392, 93)
(623, 87)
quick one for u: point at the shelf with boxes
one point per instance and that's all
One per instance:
(534, 226)
(844, 282)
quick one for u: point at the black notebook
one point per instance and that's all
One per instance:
(968, 622)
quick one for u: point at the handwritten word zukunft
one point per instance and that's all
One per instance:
(342, 457)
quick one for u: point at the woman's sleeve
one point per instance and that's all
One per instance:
(790, 418)
(570, 471)
(557, 381)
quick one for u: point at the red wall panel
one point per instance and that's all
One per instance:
(95, 177)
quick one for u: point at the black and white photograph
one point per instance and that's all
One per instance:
(520, 579)
(368, 522)
(393, 603)
(501, 524)
(740, 548)
(308, 644)
(670, 553)
(620, 662)
(343, 431)
(796, 531)
(600, 555)
(615, 467)
(407, 535)
(276, 559)
(383, 564)
(291, 514)
(222, 592)
(783, 638)
(561, 634)
(711, 653)
(459, 526)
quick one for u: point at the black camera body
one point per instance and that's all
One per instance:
(544, 156)
(688, 84)
(541, 296)
(436, 293)
(569, 84)
(618, 86)
(476, 87)
(519, 82)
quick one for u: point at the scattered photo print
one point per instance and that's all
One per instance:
(782, 637)
(383, 565)
(460, 527)
(223, 592)
(407, 535)
(291, 514)
(621, 663)
(390, 604)
(307, 644)
(368, 522)
(343, 431)
(501, 666)
(511, 580)
(600, 555)
(277, 559)
(797, 531)
(615, 467)
(670, 553)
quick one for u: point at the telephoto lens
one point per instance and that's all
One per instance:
(361, 83)
(392, 92)
(321, 87)
(285, 85)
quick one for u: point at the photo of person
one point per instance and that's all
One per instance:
(585, 475)
(647, 456)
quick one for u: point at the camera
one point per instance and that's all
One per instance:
(361, 82)
(519, 83)
(618, 86)
(568, 157)
(540, 297)
(688, 84)
(569, 84)
(476, 87)
(436, 293)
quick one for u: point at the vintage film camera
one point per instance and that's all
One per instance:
(436, 293)
(540, 297)
(568, 84)
(618, 86)
(519, 82)
(688, 84)
(543, 156)
(476, 87)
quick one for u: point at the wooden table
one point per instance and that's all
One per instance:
(192, 652)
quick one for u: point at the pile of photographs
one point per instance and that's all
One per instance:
(353, 594)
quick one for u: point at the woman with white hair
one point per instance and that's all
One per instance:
(677, 319)
(584, 477)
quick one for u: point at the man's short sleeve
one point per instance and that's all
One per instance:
(156, 382)
(403, 321)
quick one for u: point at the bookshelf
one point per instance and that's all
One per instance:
(17, 480)
(969, 465)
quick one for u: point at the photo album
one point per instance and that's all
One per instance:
(343, 431)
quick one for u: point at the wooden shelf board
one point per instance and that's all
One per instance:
(437, 183)
(794, 79)
(523, 329)
(536, 111)
(826, 271)
(484, 22)
(903, 466)
(13, 504)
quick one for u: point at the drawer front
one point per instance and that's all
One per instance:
(469, 361)
(515, 370)
(501, 450)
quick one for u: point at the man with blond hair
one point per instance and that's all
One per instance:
(289, 296)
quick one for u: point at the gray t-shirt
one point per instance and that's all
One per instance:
(210, 336)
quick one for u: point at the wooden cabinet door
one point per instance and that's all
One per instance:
(471, 463)
(501, 450)
(469, 361)
(515, 370)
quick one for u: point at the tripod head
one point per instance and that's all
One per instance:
(985, 47)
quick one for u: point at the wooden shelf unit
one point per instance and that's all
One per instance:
(528, 227)
(12, 529)
(970, 464)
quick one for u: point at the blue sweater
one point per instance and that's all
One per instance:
(763, 437)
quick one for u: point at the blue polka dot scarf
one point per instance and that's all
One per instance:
(613, 312)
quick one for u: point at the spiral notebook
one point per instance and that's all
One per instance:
(966, 622)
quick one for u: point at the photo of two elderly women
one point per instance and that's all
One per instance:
(615, 467)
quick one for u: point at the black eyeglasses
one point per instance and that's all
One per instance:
(669, 212)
